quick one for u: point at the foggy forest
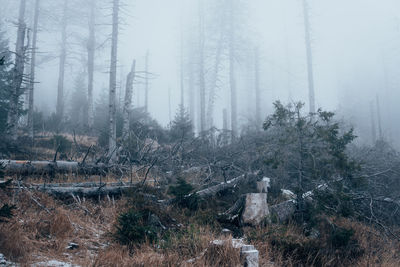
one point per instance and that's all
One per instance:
(199, 133)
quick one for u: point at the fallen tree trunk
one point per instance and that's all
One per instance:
(213, 190)
(26, 167)
(88, 190)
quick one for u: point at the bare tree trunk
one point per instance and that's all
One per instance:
(169, 104)
(232, 80)
(211, 98)
(192, 95)
(113, 83)
(373, 126)
(63, 57)
(91, 46)
(224, 119)
(378, 110)
(128, 100)
(311, 93)
(18, 73)
(257, 87)
(182, 80)
(202, 80)
(146, 87)
(32, 73)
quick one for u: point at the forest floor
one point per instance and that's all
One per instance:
(45, 231)
(48, 232)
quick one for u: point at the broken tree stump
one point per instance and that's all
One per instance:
(249, 255)
(256, 208)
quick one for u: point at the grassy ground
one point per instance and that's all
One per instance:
(43, 227)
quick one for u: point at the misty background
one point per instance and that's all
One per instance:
(355, 46)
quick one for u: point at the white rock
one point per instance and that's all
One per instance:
(256, 208)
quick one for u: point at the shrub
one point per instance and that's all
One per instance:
(133, 228)
(182, 194)
(62, 143)
(6, 212)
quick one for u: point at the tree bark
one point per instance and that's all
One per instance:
(213, 89)
(201, 65)
(32, 73)
(257, 87)
(378, 113)
(232, 80)
(373, 126)
(18, 73)
(311, 94)
(113, 84)
(213, 190)
(146, 84)
(91, 46)
(128, 100)
(63, 58)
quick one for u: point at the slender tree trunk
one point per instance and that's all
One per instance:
(18, 73)
(113, 83)
(146, 84)
(169, 104)
(311, 94)
(128, 100)
(373, 126)
(257, 87)
(378, 110)
(63, 58)
(33, 66)
(202, 79)
(213, 89)
(91, 46)
(224, 119)
(182, 79)
(232, 80)
(192, 95)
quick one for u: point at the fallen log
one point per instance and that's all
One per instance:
(88, 192)
(213, 190)
(26, 167)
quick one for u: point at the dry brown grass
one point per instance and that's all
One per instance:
(376, 250)
(13, 244)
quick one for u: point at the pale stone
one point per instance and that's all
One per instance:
(256, 208)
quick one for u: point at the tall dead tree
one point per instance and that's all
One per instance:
(378, 113)
(169, 105)
(224, 119)
(91, 46)
(373, 126)
(311, 93)
(32, 71)
(146, 84)
(232, 78)
(182, 79)
(128, 100)
(17, 73)
(113, 83)
(63, 58)
(214, 84)
(257, 87)
(201, 68)
(192, 94)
